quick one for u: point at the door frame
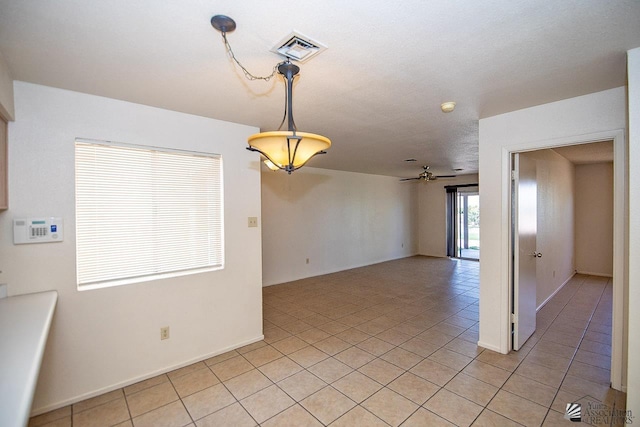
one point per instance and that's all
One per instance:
(620, 245)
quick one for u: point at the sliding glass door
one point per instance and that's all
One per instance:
(463, 221)
(468, 225)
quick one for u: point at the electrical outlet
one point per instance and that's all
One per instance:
(253, 221)
(164, 333)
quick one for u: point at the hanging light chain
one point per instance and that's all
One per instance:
(246, 72)
(252, 77)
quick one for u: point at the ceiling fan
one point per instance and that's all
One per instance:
(427, 175)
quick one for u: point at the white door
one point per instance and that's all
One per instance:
(524, 228)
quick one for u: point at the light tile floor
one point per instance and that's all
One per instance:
(388, 344)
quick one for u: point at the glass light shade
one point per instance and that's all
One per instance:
(274, 146)
(270, 165)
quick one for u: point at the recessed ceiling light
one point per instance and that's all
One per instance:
(448, 106)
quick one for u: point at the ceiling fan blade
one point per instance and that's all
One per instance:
(446, 176)
(409, 179)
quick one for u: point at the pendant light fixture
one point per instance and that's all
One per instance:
(288, 149)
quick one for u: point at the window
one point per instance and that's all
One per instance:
(145, 213)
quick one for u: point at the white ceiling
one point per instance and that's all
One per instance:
(581, 154)
(375, 92)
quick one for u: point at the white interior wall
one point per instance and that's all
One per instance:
(104, 339)
(555, 232)
(338, 220)
(594, 219)
(633, 297)
(432, 214)
(571, 120)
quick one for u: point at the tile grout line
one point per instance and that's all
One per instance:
(579, 342)
(384, 386)
(371, 336)
(179, 399)
(394, 319)
(238, 401)
(520, 362)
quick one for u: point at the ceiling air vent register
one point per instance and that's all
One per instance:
(298, 47)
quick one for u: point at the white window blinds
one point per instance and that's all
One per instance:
(144, 213)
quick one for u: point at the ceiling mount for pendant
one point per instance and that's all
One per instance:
(223, 23)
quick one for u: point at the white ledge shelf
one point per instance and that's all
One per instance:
(24, 327)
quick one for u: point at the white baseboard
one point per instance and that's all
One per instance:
(555, 292)
(489, 347)
(89, 395)
(591, 273)
(337, 270)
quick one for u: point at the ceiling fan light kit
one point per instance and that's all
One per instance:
(288, 149)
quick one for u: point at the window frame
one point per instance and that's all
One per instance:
(151, 276)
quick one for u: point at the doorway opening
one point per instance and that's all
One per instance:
(589, 160)
(463, 221)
